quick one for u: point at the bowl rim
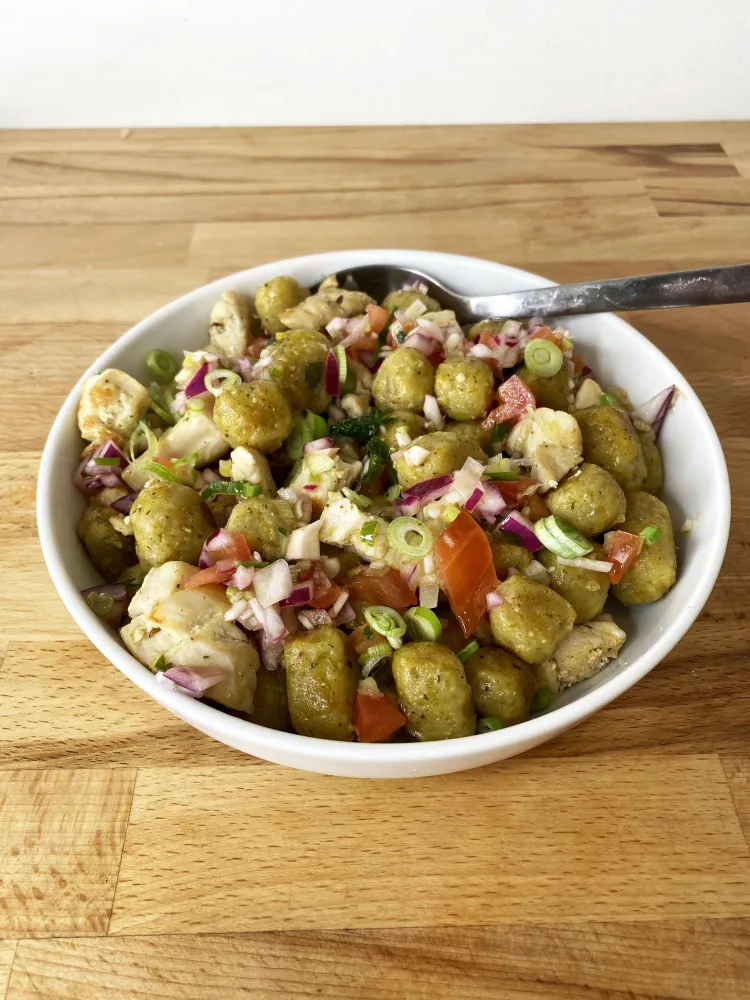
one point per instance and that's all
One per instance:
(233, 730)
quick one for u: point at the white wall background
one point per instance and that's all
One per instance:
(67, 63)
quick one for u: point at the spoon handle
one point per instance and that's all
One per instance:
(709, 286)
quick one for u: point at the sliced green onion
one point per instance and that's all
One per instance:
(142, 430)
(196, 403)
(364, 503)
(541, 701)
(237, 488)
(313, 373)
(106, 461)
(450, 512)
(185, 468)
(254, 564)
(159, 400)
(422, 624)
(317, 463)
(561, 538)
(162, 472)
(383, 336)
(317, 424)
(277, 372)
(395, 641)
(162, 365)
(385, 621)
(543, 358)
(225, 468)
(372, 656)
(607, 399)
(297, 438)
(368, 531)
(159, 664)
(498, 435)
(393, 492)
(410, 537)
(490, 724)
(511, 476)
(100, 604)
(229, 379)
(466, 652)
(650, 534)
(341, 358)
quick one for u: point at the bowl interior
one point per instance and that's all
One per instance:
(696, 488)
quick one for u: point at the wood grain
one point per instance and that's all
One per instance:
(612, 862)
(692, 960)
(61, 837)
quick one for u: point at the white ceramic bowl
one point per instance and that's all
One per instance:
(696, 487)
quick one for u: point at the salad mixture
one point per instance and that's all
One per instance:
(353, 519)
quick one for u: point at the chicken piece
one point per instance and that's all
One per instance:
(551, 441)
(159, 584)
(585, 650)
(252, 466)
(111, 404)
(340, 474)
(195, 432)
(330, 301)
(589, 394)
(342, 522)
(230, 325)
(187, 628)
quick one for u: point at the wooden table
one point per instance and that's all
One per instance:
(137, 858)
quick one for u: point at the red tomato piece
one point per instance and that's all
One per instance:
(544, 333)
(488, 339)
(378, 317)
(235, 548)
(464, 559)
(621, 549)
(516, 400)
(360, 641)
(537, 507)
(325, 591)
(518, 491)
(220, 572)
(376, 717)
(384, 585)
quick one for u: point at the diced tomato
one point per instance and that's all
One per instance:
(519, 491)
(464, 559)
(362, 638)
(544, 333)
(516, 400)
(325, 591)
(218, 573)
(384, 585)
(621, 549)
(255, 346)
(378, 317)
(436, 358)
(235, 548)
(537, 507)
(407, 328)
(488, 339)
(376, 717)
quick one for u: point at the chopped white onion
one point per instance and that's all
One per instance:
(273, 583)
(331, 566)
(416, 309)
(416, 455)
(403, 438)
(304, 543)
(338, 603)
(597, 565)
(432, 413)
(429, 592)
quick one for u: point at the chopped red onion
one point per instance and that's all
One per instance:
(124, 504)
(314, 618)
(110, 450)
(336, 325)
(195, 680)
(474, 497)
(310, 487)
(413, 499)
(219, 540)
(270, 653)
(431, 328)
(321, 444)
(520, 526)
(302, 594)
(494, 600)
(419, 340)
(492, 503)
(347, 614)
(417, 285)
(270, 620)
(654, 410)
(197, 384)
(243, 577)
(332, 374)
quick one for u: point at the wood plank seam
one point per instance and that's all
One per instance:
(122, 850)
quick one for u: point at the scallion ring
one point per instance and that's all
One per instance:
(561, 538)
(368, 531)
(106, 461)
(543, 358)
(317, 425)
(512, 476)
(236, 487)
(185, 468)
(373, 655)
(364, 503)
(385, 621)
(490, 724)
(608, 399)
(422, 624)
(541, 701)
(650, 534)
(162, 472)
(142, 430)
(468, 650)
(393, 492)
(450, 512)
(229, 379)
(410, 537)
(162, 365)
(318, 463)
(341, 358)
(100, 604)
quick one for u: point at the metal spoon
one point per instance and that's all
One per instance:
(710, 286)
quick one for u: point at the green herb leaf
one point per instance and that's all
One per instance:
(377, 460)
(362, 428)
